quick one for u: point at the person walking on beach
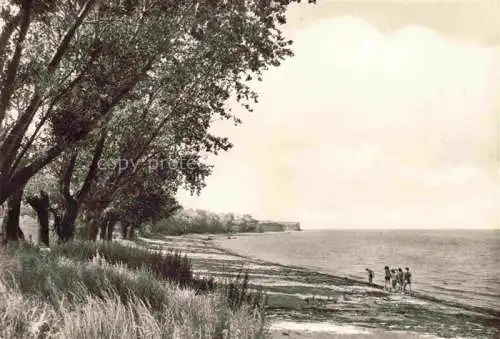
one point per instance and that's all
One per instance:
(407, 279)
(371, 274)
(394, 280)
(387, 283)
(400, 277)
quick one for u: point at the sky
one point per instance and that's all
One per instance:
(386, 117)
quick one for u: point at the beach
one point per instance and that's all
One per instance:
(305, 303)
(456, 265)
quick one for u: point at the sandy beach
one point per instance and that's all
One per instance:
(303, 303)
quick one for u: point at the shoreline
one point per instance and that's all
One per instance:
(276, 263)
(218, 243)
(305, 303)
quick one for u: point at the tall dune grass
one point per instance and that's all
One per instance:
(56, 297)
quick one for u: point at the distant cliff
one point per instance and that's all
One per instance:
(277, 226)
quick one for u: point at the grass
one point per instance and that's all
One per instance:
(169, 266)
(71, 293)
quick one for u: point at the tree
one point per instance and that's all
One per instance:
(41, 205)
(10, 223)
(68, 81)
(229, 221)
(70, 65)
(248, 223)
(182, 95)
(147, 197)
(41, 195)
(70, 202)
(144, 208)
(70, 84)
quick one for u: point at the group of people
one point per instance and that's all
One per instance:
(395, 279)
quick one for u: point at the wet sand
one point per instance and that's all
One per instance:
(330, 331)
(303, 303)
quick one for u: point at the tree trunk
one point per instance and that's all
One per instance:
(111, 227)
(10, 225)
(130, 232)
(20, 233)
(67, 227)
(57, 222)
(41, 206)
(124, 229)
(103, 229)
(153, 225)
(108, 226)
(93, 229)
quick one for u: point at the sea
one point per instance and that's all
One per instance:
(461, 266)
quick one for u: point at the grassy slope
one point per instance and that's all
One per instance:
(59, 296)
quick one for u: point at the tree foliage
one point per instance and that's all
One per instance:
(145, 79)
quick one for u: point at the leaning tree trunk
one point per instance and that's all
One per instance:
(10, 225)
(41, 206)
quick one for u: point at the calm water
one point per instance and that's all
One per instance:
(456, 265)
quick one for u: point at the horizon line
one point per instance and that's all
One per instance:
(400, 229)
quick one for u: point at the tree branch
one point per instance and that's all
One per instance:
(65, 182)
(9, 148)
(24, 174)
(42, 121)
(93, 168)
(8, 28)
(63, 46)
(9, 81)
(11, 184)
